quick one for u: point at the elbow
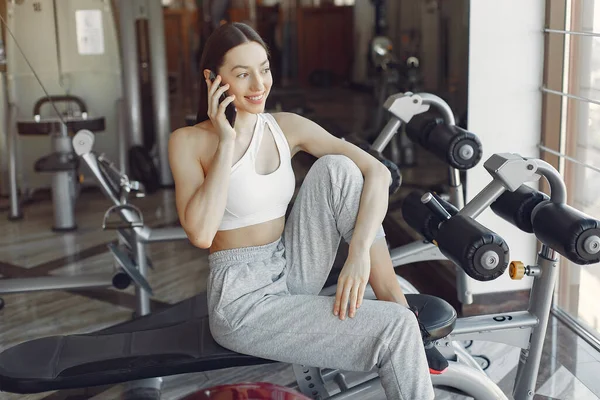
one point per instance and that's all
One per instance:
(388, 175)
(381, 172)
(195, 233)
(200, 242)
(200, 239)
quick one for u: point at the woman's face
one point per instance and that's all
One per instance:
(246, 69)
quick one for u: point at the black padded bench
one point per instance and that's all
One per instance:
(173, 341)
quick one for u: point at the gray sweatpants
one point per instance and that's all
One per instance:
(264, 299)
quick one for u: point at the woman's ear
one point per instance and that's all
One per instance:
(206, 73)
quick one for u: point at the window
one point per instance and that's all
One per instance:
(571, 141)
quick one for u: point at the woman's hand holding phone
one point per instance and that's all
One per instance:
(217, 103)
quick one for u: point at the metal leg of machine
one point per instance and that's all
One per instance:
(15, 212)
(143, 305)
(541, 303)
(145, 388)
(63, 185)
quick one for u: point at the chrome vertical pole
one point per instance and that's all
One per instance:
(131, 79)
(160, 89)
(15, 207)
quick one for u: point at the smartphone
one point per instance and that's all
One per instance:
(230, 109)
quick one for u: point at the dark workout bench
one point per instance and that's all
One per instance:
(174, 341)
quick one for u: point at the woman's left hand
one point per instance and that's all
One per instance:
(351, 284)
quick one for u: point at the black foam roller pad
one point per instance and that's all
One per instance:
(465, 241)
(566, 230)
(516, 207)
(420, 218)
(419, 127)
(446, 142)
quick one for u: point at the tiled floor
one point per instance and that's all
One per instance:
(569, 369)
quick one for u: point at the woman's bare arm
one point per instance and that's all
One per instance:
(200, 195)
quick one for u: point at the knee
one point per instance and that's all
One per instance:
(405, 321)
(340, 168)
(401, 332)
(338, 162)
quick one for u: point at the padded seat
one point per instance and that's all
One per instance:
(173, 341)
(51, 125)
(436, 315)
(57, 162)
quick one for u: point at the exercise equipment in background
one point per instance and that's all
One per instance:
(72, 51)
(118, 189)
(130, 259)
(459, 149)
(145, 87)
(62, 163)
(391, 74)
(49, 61)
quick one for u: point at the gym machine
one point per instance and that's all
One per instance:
(130, 257)
(62, 163)
(143, 349)
(459, 149)
(392, 75)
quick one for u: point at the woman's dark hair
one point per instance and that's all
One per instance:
(223, 39)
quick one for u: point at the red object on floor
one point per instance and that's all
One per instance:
(247, 391)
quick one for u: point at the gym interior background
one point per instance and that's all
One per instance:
(521, 75)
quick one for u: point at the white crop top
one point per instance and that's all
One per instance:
(254, 198)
